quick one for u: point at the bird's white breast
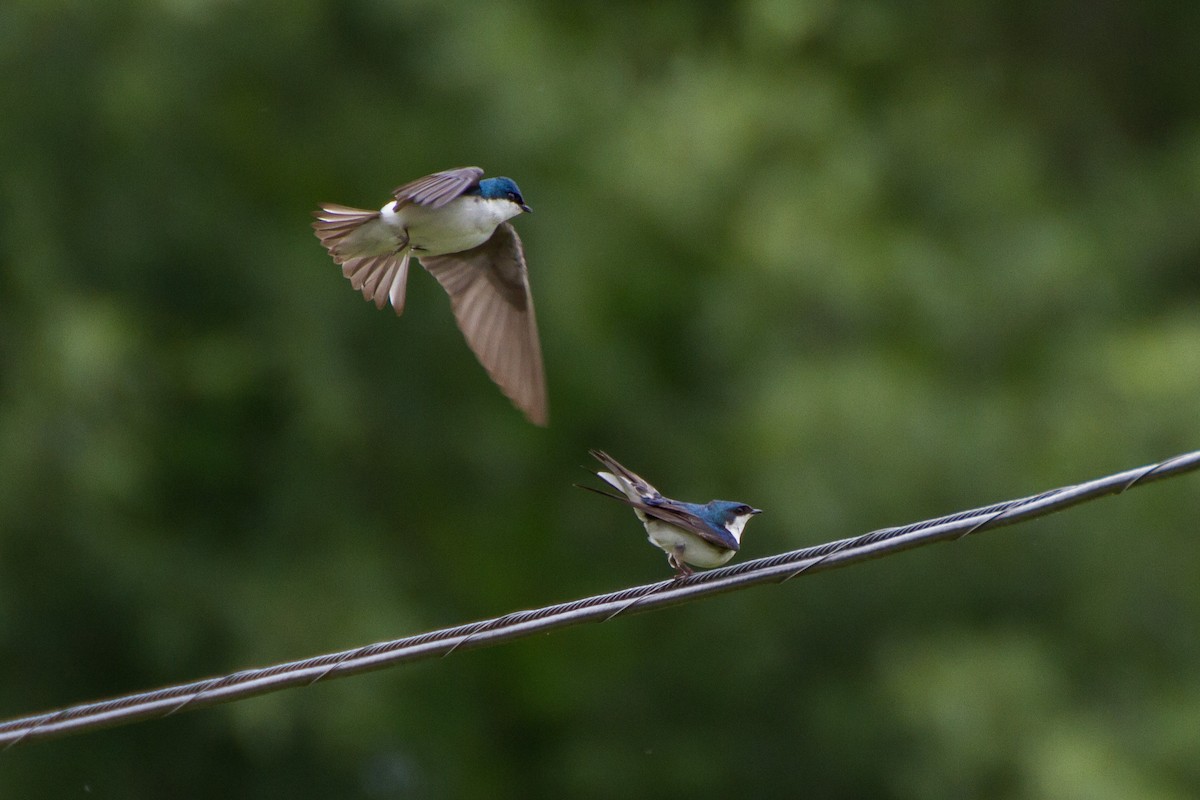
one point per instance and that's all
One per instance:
(738, 524)
(692, 548)
(461, 224)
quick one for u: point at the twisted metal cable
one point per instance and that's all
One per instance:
(600, 608)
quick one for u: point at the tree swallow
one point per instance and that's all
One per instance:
(456, 224)
(689, 533)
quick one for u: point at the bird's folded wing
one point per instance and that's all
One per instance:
(440, 188)
(489, 293)
(671, 512)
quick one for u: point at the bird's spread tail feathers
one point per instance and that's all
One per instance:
(381, 277)
(335, 225)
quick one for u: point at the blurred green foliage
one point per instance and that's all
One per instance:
(857, 264)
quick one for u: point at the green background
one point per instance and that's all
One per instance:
(857, 264)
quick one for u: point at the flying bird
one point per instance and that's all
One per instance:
(705, 535)
(456, 224)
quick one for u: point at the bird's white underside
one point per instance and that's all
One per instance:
(461, 224)
(685, 545)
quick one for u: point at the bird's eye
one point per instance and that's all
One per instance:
(512, 196)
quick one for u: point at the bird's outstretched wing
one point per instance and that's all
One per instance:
(489, 293)
(440, 188)
(644, 498)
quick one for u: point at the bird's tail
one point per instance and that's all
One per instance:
(628, 482)
(346, 233)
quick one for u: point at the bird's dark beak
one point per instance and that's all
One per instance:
(526, 209)
(756, 511)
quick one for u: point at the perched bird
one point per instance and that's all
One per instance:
(689, 533)
(456, 223)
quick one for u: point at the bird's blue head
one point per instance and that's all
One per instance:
(730, 515)
(502, 189)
